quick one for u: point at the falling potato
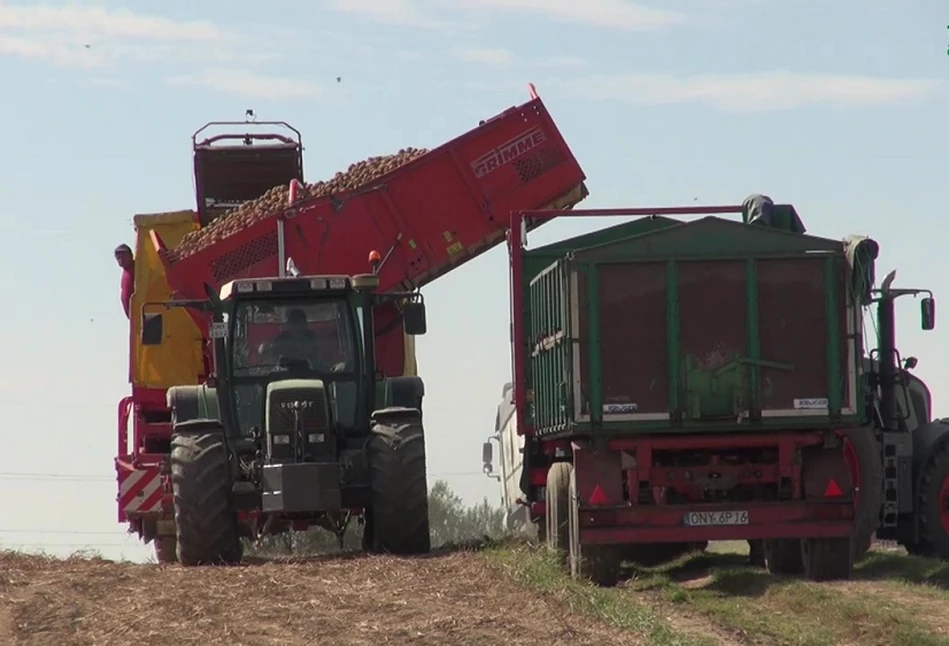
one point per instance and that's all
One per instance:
(275, 200)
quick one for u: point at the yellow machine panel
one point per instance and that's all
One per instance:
(178, 360)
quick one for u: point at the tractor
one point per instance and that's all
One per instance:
(295, 427)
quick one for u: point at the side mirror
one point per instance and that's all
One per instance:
(487, 453)
(152, 330)
(413, 318)
(487, 456)
(927, 311)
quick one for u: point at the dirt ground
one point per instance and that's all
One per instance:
(451, 598)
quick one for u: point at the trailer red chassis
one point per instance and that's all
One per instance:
(633, 490)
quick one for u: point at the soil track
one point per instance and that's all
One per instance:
(450, 598)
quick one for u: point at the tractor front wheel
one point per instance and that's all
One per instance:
(205, 520)
(397, 520)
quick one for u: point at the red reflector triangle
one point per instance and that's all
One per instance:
(598, 497)
(833, 490)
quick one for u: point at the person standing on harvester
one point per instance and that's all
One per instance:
(123, 256)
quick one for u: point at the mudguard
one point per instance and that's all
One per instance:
(189, 403)
(405, 392)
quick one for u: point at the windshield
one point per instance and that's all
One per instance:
(277, 335)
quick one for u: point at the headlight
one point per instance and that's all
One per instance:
(316, 438)
(281, 439)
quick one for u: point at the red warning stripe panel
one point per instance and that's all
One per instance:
(140, 491)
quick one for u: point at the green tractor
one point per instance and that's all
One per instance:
(295, 428)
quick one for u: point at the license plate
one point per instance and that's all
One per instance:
(705, 518)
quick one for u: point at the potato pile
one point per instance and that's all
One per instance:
(275, 200)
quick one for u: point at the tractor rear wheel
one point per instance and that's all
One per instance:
(933, 506)
(397, 520)
(558, 507)
(598, 563)
(205, 521)
(827, 559)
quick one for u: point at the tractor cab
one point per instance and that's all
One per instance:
(297, 354)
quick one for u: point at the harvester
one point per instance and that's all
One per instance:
(196, 315)
(679, 382)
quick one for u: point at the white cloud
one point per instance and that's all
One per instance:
(244, 83)
(484, 56)
(559, 62)
(94, 36)
(755, 92)
(611, 14)
(101, 22)
(393, 12)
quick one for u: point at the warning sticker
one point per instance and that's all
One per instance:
(810, 403)
(619, 409)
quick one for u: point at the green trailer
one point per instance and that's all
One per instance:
(677, 382)
(703, 326)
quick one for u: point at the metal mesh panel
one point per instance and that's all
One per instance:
(231, 264)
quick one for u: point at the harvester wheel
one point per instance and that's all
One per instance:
(933, 506)
(783, 556)
(827, 559)
(397, 520)
(558, 506)
(598, 563)
(865, 458)
(201, 481)
(166, 549)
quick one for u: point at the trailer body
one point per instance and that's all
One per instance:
(684, 381)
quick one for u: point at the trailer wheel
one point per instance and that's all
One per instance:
(558, 506)
(865, 458)
(933, 507)
(598, 563)
(397, 520)
(783, 556)
(205, 521)
(756, 553)
(827, 559)
(166, 549)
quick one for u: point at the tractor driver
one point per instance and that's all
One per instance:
(296, 341)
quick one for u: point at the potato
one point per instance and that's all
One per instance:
(358, 175)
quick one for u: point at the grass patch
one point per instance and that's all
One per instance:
(877, 566)
(541, 570)
(724, 592)
(783, 610)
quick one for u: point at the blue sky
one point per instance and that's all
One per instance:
(838, 108)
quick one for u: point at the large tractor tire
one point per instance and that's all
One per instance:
(206, 524)
(597, 563)
(865, 458)
(933, 506)
(397, 519)
(557, 528)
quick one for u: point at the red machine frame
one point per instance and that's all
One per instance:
(605, 517)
